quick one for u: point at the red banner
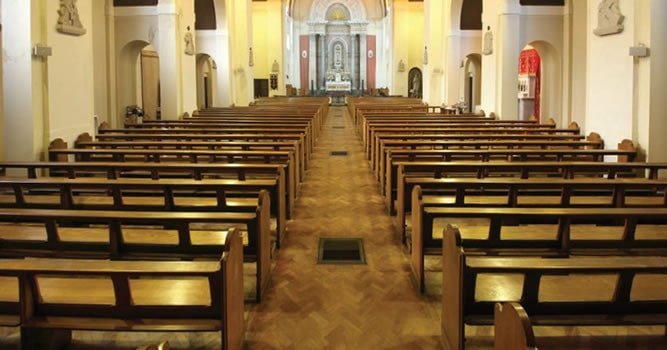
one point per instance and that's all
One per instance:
(371, 60)
(530, 64)
(304, 52)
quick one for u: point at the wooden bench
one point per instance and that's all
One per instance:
(299, 158)
(538, 191)
(285, 158)
(379, 152)
(135, 234)
(422, 150)
(56, 296)
(116, 170)
(146, 195)
(465, 302)
(375, 134)
(490, 216)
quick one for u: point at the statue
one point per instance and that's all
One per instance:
(68, 20)
(189, 43)
(401, 66)
(425, 55)
(488, 42)
(610, 18)
(415, 79)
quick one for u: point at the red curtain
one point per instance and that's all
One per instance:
(530, 64)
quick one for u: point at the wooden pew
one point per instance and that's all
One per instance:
(512, 328)
(146, 195)
(378, 152)
(184, 235)
(375, 134)
(611, 194)
(116, 170)
(299, 158)
(463, 302)
(59, 152)
(423, 150)
(56, 296)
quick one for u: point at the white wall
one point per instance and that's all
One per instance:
(71, 88)
(610, 78)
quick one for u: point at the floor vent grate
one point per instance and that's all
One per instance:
(341, 251)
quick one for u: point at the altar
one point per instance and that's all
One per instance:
(337, 86)
(332, 86)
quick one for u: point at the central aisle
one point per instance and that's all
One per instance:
(311, 306)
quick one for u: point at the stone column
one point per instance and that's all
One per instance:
(312, 63)
(170, 60)
(509, 50)
(323, 61)
(362, 62)
(239, 27)
(353, 61)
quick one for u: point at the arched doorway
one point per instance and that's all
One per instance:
(206, 78)
(473, 81)
(540, 82)
(415, 83)
(138, 80)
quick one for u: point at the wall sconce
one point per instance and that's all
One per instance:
(425, 55)
(275, 67)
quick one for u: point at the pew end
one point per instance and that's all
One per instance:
(162, 346)
(595, 137)
(104, 126)
(82, 138)
(57, 144)
(550, 121)
(513, 329)
(452, 289)
(626, 145)
(574, 125)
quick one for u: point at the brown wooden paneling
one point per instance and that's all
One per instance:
(135, 2)
(542, 2)
(205, 15)
(471, 15)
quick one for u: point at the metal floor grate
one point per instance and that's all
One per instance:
(341, 251)
(338, 153)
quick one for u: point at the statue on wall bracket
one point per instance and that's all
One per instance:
(68, 19)
(610, 18)
(189, 43)
(487, 49)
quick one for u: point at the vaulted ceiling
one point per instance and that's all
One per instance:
(300, 9)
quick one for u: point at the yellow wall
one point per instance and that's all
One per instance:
(267, 40)
(408, 28)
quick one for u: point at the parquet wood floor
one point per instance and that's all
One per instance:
(372, 306)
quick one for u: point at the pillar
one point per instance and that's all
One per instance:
(170, 60)
(239, 28)
(435, 22)
(508, 51)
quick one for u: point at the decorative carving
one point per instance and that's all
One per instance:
(488, 42)
(425, 55)
(401, 66)
(189, 43)
(68, 20)
(319, 9)
(275, 67)
(371, 54)
(304, 54)
(610, 18)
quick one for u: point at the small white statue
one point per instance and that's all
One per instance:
(488, 42)
(189, 43)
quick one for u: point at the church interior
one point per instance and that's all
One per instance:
(333, 174)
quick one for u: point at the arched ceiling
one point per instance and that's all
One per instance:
(300, 10)
(471, 15)
(205, 15)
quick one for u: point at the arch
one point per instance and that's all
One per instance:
(356, 9)
(415, 83)
(473, 81)
(338, 12)
(129, 79)
(206, 81)
(551, 94)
